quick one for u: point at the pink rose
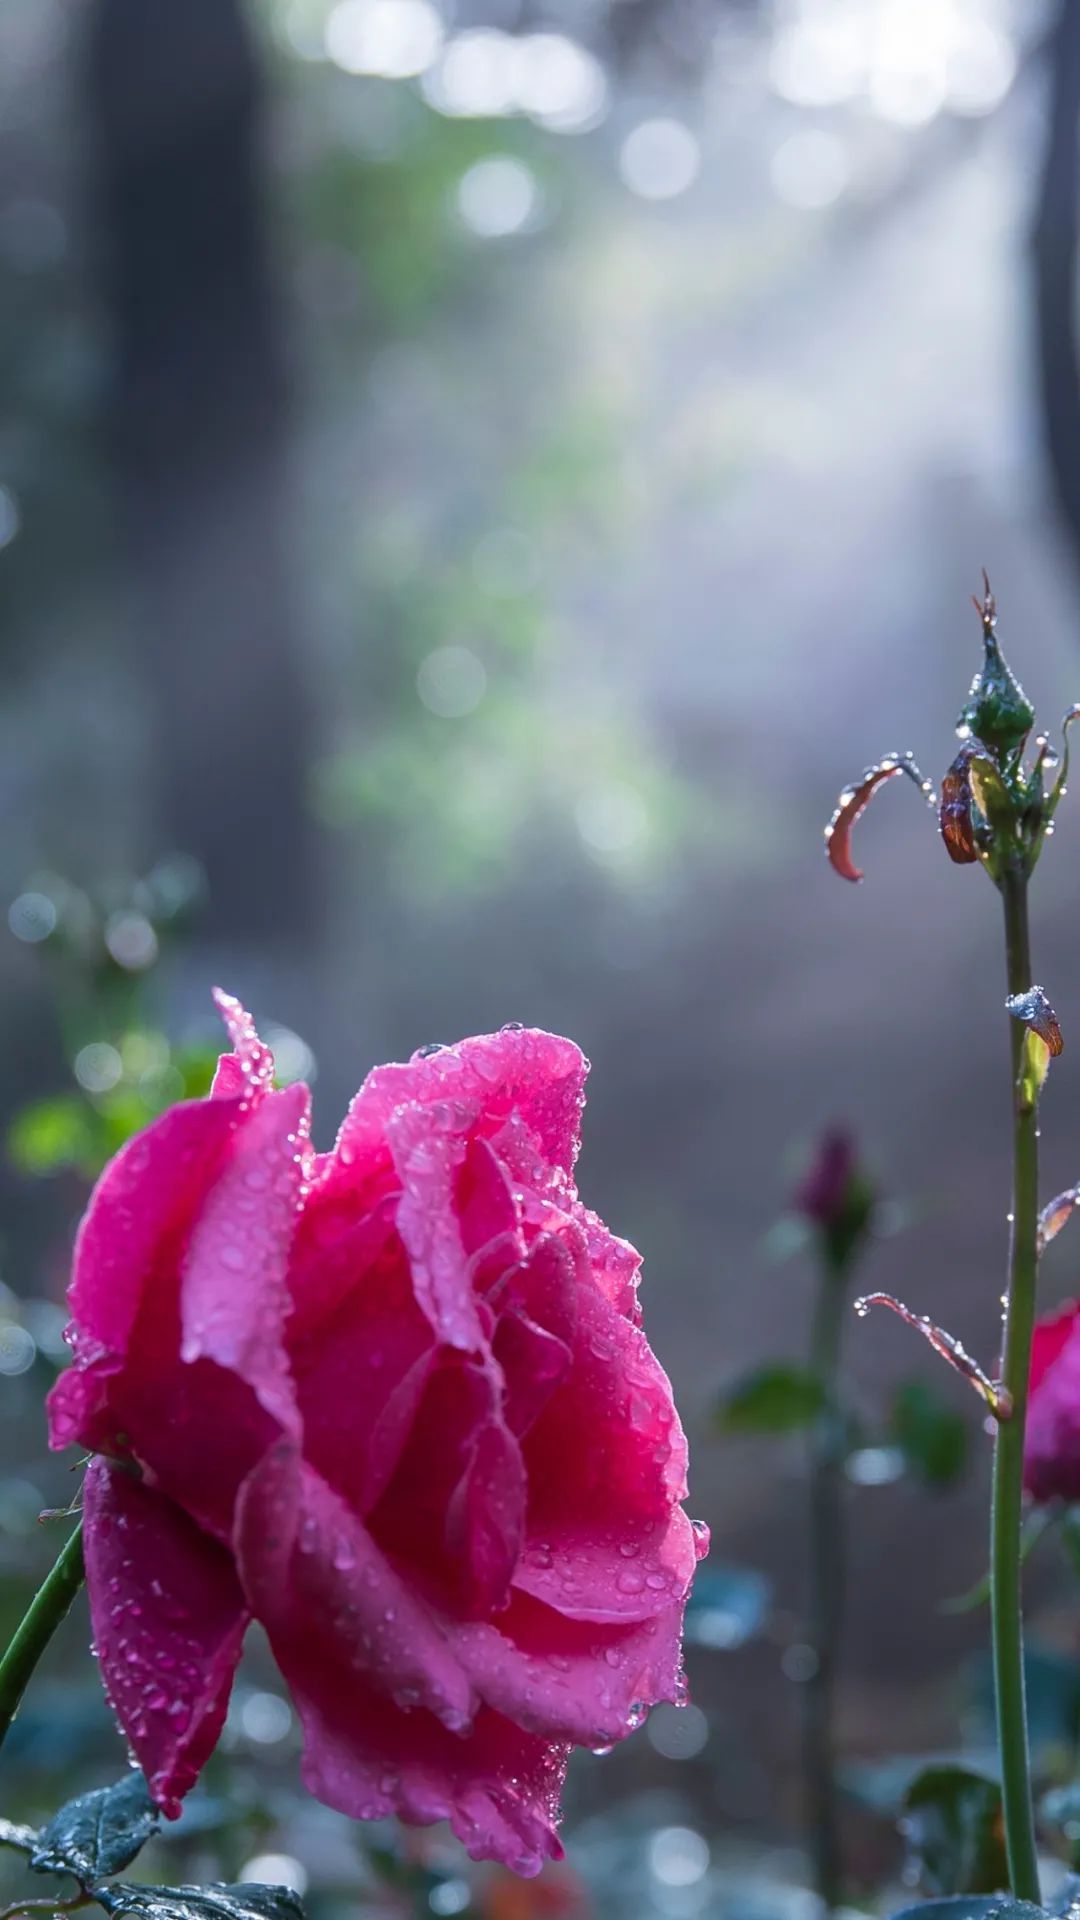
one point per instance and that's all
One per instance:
(392, 1401)
(1052, 1440)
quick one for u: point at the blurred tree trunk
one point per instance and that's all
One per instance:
(198, 427)
(1055, 266)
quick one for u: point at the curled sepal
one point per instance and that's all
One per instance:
(954, 813)
(996, 1396)
(1034, 1010)
(1056, 1214)
(1058, 790)
(854, 801)
(997, 711)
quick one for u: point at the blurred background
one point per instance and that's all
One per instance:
(476, 478)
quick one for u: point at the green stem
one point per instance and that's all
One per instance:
(826, 1591)
(1007, 1500)
(40, 1621)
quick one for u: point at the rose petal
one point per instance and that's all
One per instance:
(593, 1570)
(252, 1055)
(485, 1518)
(609, 1443)
(332, 1604)
(233, 1293)
(533, 1362)
(569, 1679)
(499, 1788)
(1052, 1439)
(525, 1070)
(168, 1618)
(429, 1145)
(331, 1249)
(1049, 1339)
(361, 1376)
(144, 1197)
(454, 1510)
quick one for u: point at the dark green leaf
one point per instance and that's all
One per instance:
(986, 1906)
(931, 1436)
(952, 1823)
(99, 1833)
(12, 1835)
(245, 1901)
(773, 1399)
(727, 1605)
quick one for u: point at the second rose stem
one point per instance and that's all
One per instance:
(1007, 1499)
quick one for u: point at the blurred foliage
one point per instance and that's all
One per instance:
(777, 1398)
(952, 1825)
(930, 1434)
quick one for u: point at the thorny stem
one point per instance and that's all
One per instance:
(1006, 1506)
(40, 1621)
(826, 1590)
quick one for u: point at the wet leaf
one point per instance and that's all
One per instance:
(948, 1346)
(12, 1835)
(727, 1606)
(954, 813)
(853, 802)
(1056, 1214)
(932, 1436)
(1034, 1011)
(777, 1398)
(953, 1828)
(98, 1834)
(240, 1902)
(971, 1906)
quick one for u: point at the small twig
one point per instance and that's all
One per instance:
(997, 1398)
(73, 1901)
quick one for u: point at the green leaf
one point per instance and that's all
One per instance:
(933, 1437)
(12, 1835)
(727, 1605)
(244, 1901)
(98, 1834)
(773, 1399)
(952, 1823)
